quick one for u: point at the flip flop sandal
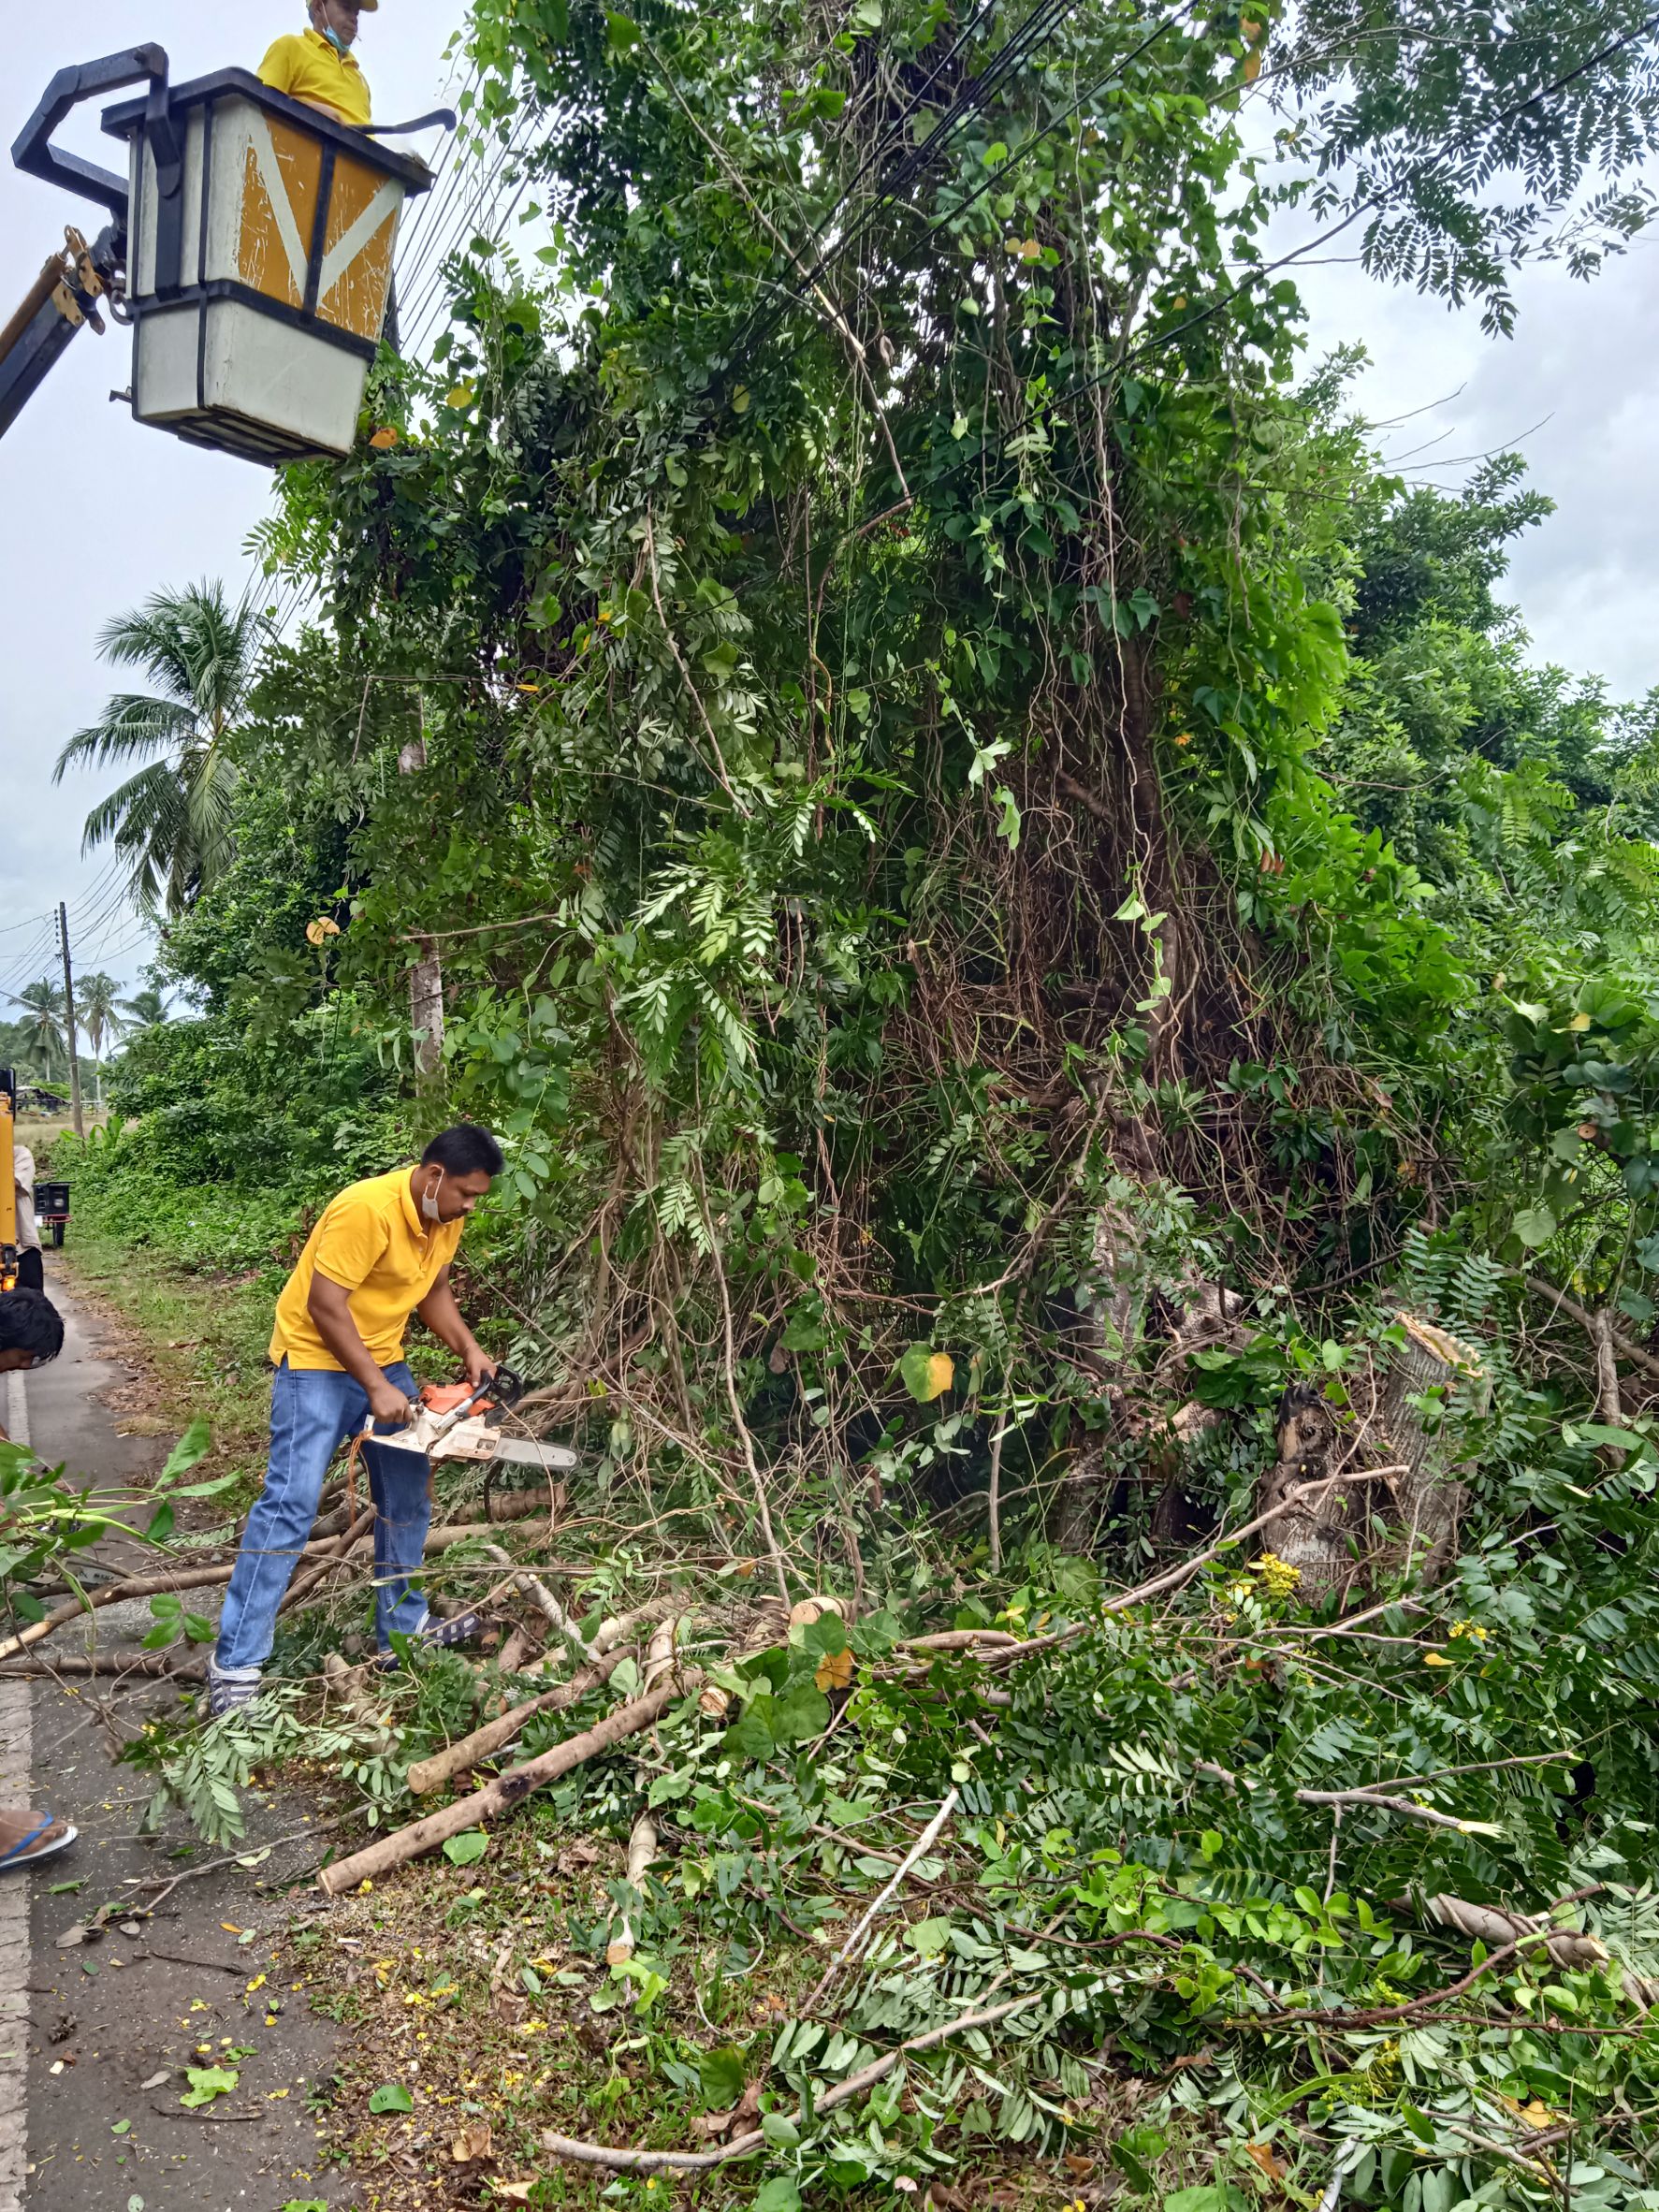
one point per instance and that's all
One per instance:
(31, 1848)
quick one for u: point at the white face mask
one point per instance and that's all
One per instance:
(429, 1199)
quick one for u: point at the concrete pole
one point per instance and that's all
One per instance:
(69, 1020)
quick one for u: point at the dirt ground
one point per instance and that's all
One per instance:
(140, 1964)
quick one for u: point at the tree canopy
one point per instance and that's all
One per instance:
(1027, 915)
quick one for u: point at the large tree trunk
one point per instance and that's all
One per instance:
(1327, 1541)
(1320, 1540)
(1429, 1498)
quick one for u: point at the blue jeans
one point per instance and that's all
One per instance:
(313, 1411)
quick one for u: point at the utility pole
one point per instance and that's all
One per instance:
(69, 1019)
(426, 978)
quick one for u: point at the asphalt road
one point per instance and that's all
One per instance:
(98, 2035)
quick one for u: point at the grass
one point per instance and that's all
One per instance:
(202, 1338)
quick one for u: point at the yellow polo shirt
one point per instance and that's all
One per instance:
(306, 67)
(372, 1242)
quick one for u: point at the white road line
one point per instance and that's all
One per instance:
(16, 1789)
(16, 1408)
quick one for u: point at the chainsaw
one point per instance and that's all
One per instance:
(453, 1422)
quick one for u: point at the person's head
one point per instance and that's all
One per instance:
(337, 19)
(456, 1170)
(31, 1330)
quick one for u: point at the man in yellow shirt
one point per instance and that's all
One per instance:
(318, 66)
(379, 1253)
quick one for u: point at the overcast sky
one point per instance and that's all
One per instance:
(98, 512)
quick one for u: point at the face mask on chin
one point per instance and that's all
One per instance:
(429, 1199)
(336, 41)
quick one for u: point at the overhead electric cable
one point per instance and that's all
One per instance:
(1034, 32)
(1424, 164)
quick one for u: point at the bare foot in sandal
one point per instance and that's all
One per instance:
(25, 1837)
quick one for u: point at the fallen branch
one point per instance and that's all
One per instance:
(1302, 1494)
(642, 1840)
(918, 1850)
(503, 1794)
(149, 1666)
(1382, 2015)
(112, 1593)
(1626, 1346)
(958, 1639)
(743, 2146)
(335, 1553)
(532, 1587)
(1406, 1805)
(482, 1743)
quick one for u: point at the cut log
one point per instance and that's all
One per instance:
(528, 1504)
(505, 1792)
(482, 1743)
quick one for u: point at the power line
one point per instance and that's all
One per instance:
(1034, 32)
(474, 218)
(1424, 164)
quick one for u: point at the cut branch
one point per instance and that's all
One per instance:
(482, 1743)
(742, 2147)
(505, 1792)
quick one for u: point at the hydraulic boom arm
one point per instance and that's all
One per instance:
(62, 298)
(66, 293)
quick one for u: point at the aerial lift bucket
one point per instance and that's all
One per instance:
(251, 250)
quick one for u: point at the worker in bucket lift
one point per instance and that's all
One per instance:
(31, 1333)
(379, 1253)
(318, 66)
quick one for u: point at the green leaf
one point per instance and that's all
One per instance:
(391, 2096)
(196, 1443)
(825, 1637)
(621, 35)
(721, 2074)
(779, 2194)
(466, 1849)
(779, 2131)
(928, 1937)
(752, 1737)
(1535, 1225)
(208, 2082)
(866, 15)
(1194, 2200)
(801, 1712)
(1606, 1004)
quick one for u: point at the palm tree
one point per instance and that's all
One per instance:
(144, 1010)
(171, 821)
(98, 1007)
(43, 1018)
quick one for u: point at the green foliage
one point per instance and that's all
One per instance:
(1007, 888)
(170, 823)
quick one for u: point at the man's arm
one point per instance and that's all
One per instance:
(329, 1307)
(442, 1317)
